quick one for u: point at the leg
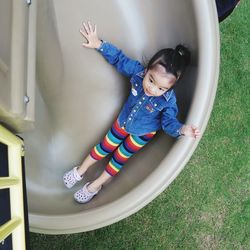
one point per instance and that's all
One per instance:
(97, 183)
(130, 145)
(110, 142)
(89, 161)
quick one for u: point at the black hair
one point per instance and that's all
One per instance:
(174, 61)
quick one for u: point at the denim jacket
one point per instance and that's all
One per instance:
(142, 114)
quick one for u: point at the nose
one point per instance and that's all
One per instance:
(152, 88)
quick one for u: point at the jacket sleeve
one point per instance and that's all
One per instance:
(169, 122)
(116, 57)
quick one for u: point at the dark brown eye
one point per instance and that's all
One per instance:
(162, 89)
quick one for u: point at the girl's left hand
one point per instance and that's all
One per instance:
(190, 130)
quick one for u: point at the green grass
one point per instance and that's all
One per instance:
(207, 206)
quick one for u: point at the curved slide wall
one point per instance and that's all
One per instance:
(78, 95)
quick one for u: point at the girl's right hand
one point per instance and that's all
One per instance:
(91, 36)
(190, 130)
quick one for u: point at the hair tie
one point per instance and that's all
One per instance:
(181, 52)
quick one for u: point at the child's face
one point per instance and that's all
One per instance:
(157, 81)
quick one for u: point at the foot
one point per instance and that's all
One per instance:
(92, 187)
(84, 195)
(71, 177)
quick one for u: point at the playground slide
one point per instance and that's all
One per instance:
(77, 95)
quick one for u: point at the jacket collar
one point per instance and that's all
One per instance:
(168, 94)
(141, 73)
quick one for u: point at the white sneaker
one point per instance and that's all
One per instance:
(84, 195)
(71, 177)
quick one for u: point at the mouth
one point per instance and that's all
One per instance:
(147, 92)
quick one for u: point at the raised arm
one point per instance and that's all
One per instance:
(112, 54)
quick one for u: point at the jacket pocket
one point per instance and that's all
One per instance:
(155, 105)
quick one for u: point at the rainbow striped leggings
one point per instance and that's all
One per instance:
(123, 144)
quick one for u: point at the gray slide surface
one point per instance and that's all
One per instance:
(78, 95)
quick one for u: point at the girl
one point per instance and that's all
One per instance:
(151, 106)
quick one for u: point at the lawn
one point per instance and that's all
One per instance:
(207, 206)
